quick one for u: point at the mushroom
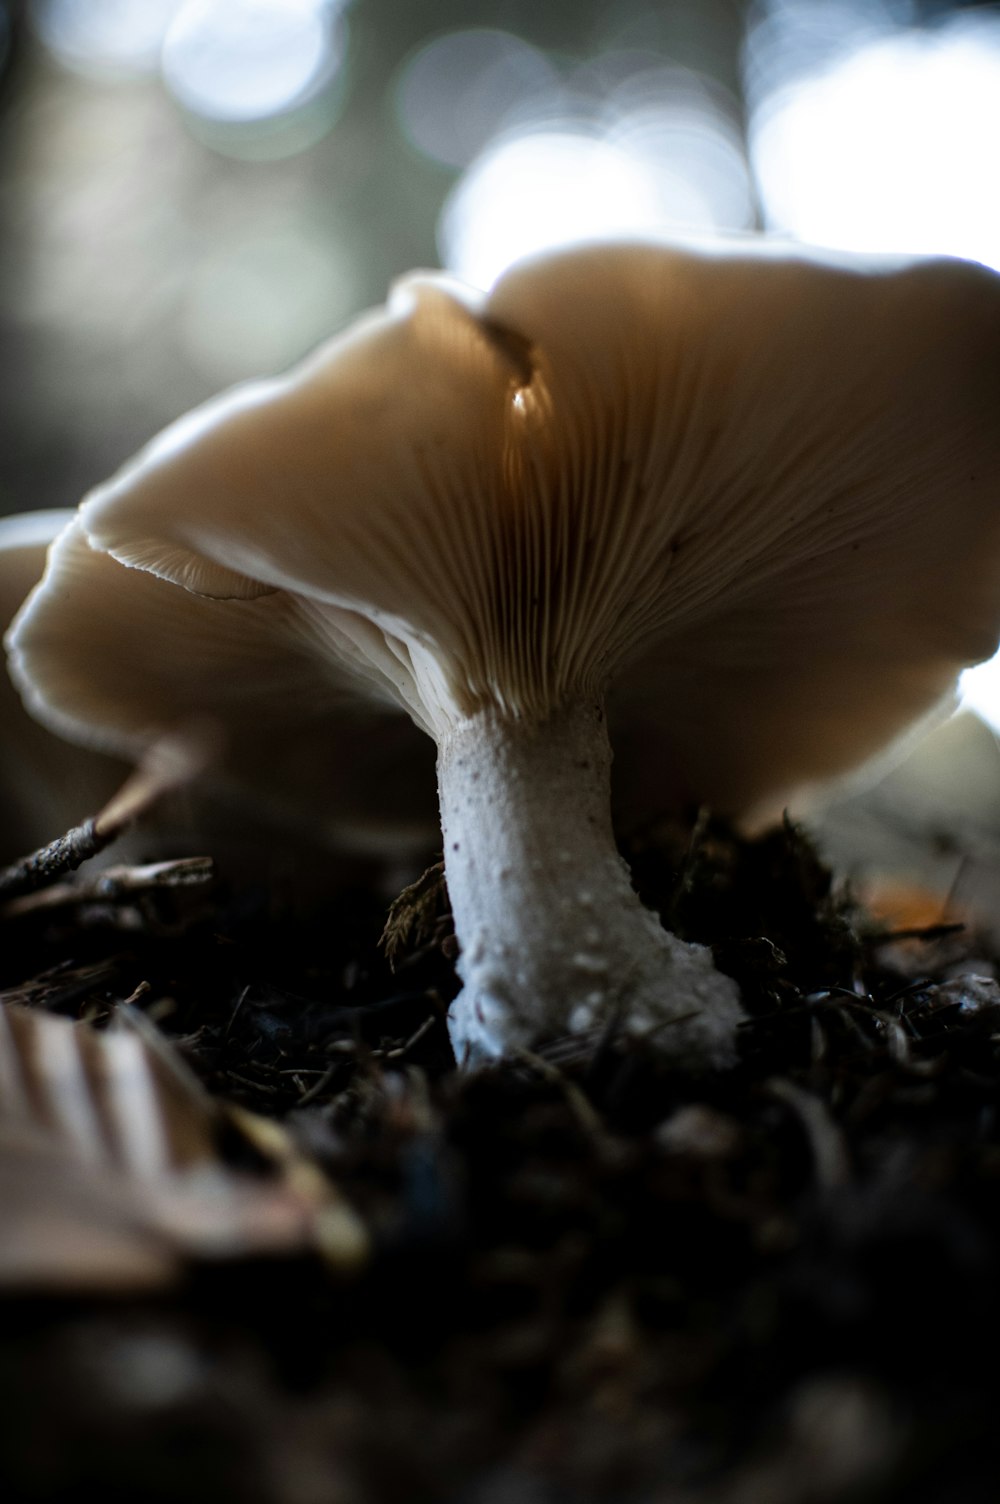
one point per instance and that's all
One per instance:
(927, 833)
(744, 501)
(46, 786)
(379, 818)
(241, 671)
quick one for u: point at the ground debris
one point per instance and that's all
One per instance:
(416, 915)
(589, 1277)
(167, 765)
(112, 1170)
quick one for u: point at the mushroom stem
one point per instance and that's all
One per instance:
(554, 939)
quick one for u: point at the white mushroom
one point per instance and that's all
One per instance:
(251, 669)
(46, 786)
(928, 831)
(750, 501)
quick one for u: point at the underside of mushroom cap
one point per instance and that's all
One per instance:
(758, 490)
(114, 658)
(24, 542)
(45, 786)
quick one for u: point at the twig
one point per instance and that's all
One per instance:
(112, 884)
(583, 1110)
(232, 1017)
(415, 1038)
(59, 856)
(829, 1148)
(318, 1087)
(168, 765)
(252, 1085)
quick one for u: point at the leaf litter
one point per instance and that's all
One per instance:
(575, 1276)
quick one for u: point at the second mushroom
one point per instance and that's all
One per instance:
(742, 506)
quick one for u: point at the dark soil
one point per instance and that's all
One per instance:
(593, 1279)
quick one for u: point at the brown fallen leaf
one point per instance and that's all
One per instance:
(110, 1174)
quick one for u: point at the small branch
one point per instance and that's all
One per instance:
(169, 764)
(586, 1115)
(63, 855)
(112, 885)
(403, 1049)
(830, 1154)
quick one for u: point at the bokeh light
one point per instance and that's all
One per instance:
(894, 146)
(255, 78)
(104, 38)
(535, 191)
(980, 691)
(870, 136)
(241, 60)
(234, 65)
(460, 89)
(684, 133)
(111, 253)
(647, 150)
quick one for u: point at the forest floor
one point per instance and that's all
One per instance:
(576, 1277)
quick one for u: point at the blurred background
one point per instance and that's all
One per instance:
(196, 191)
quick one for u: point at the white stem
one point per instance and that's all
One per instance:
(553, 937)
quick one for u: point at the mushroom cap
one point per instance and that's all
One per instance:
(46, 786)
(933, 821)
(24, 543)
(123, 665)
(755, 494)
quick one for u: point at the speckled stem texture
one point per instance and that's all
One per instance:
(553, 939)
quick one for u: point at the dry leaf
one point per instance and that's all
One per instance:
(110, 1176)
